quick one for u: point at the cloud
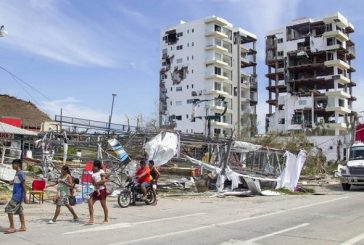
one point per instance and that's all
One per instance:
(73, 107)
(45, 29)
(135, 16)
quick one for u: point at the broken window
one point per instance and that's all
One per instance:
(179, 74)
(218, 28)
(281, 121)
(280, 107)
(190, 101)
(171, 37)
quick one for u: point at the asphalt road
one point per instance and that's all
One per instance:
(334, 218)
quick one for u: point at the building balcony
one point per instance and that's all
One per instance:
(339, 78)
(337, 34)
(220, 92)
(246, 63)
(218, 63)
(217, 48)
(339, 109)
(217, 34)
(338, 19)
(217, 20)
(220, 109)
(221, 124)
(338, 93)
(333, 47)
(339, 63)
(220, 78)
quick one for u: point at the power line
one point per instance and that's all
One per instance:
(18, 79)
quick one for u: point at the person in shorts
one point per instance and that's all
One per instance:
(100, 194)
(19, 195)
(143, 176)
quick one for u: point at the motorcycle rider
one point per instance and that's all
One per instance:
(143, 177)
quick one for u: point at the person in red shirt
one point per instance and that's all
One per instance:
(143, 176)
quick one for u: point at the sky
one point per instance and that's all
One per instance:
(75, 53)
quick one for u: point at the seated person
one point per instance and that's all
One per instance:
(143, 176)
(154, 174)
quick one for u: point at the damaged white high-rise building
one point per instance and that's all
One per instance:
(208, 81)
(310, 76)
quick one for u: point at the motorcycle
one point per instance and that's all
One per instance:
(132, 193)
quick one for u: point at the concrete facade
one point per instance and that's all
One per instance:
(205, 65)
(310, 76)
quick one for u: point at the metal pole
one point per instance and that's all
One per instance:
(237, 39)
(110, 117)
(60, 125)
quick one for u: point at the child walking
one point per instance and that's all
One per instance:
(19, 195)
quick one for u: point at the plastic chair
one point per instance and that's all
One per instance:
(38, 187)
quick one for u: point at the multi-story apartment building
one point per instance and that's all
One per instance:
(208, 74)
(310, 76)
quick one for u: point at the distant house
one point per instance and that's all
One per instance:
(23, 113)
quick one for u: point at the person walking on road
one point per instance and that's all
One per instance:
(64, 188)
(19, 195)
(100, 194)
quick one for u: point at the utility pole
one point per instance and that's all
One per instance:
(110, 117)
(237, 42)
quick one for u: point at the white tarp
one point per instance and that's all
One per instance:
(7, 173)
(231, 175)
(162, 148)
(291, 173)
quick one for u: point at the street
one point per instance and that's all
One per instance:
(333, 218)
